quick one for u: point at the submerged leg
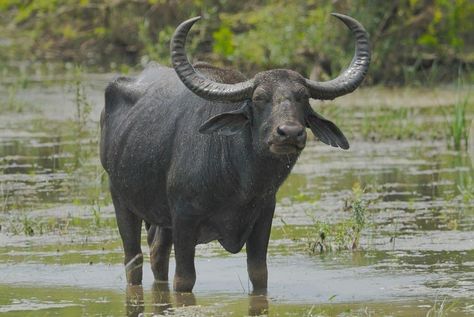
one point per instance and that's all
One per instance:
(256, 247)
(161, 298)
(134, 301)
(184, 240)
(129, 226)
(160, 241)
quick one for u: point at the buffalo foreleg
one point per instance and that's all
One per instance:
(160, 241)
(256, 247)
(184, 240)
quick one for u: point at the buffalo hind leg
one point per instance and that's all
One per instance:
(256, 247)
(130, 226)
(184, 240)
(160, 241)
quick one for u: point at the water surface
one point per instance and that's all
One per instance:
(60, 252)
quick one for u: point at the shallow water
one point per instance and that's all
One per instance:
(60, 253)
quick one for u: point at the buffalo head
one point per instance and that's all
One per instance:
(275, 102)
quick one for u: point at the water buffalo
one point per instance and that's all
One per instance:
(199, 152)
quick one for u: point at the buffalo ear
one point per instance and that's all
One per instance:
(326, 131)
(227, 123)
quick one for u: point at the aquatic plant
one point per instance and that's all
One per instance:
(85, 134)
(5, 194)
(441, 308)
(458, 124)
(390, 120)
(458, 131)
(82, 118)
(326, 311)
(467, 192)
(389, 123)
(11, 103)
(96, 215)
(465, 185)
(343, 235)
(27, 226)
(358, 208)
(23, 225)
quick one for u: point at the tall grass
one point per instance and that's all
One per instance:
(441, 308)
(84, 170)
(458, 125)
(458, 128)
(11, 102)
(344, 235)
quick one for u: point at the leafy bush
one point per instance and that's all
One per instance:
(413, 40)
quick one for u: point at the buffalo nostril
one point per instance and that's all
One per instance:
(280, 131)
(291, 131)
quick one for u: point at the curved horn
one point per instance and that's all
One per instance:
(352, 77)
(194, 80)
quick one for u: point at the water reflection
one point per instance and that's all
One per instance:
(258, 304)
(135, 303)
(36, 170)
(164, 301)
(161, 297)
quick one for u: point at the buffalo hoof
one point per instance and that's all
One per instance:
(134, 270)
(183, 285)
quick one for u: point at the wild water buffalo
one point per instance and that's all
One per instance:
(199, 152)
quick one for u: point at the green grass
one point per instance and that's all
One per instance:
(391, 124)
(458, 129)
(27, 225)
(377, 123)
(441, 308)
(343, 235)
(465, 186)
(11, 104)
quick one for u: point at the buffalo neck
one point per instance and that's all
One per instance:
(260, 172)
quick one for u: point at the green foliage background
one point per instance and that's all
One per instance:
(413, 40)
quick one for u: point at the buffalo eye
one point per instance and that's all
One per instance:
(260, 95)
(301, 94)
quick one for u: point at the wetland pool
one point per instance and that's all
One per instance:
(61, 255)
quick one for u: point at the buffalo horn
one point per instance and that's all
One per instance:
(352, 77)
(195, 81)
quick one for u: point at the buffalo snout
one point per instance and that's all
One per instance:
(288, 138)
(292, 131)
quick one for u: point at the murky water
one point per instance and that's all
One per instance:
(60, 253)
